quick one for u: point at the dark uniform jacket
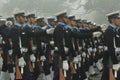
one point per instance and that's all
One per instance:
(5, 33)
(111, 38)
(15, 36)
(62, 35)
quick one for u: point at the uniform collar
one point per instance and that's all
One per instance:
(18, 24)
(62, 23)
(23, 25)
(50, 26)
(44, 27)
(66, 26)
(83, 28)
(113, 26)
(29, 24)
(76, 28)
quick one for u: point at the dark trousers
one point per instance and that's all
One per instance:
(105, 74)
(56, 66)
(7, 65)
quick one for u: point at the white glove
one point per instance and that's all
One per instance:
(52, 43)
(75, 60)
(105, 48)
(10, 51)
(79, 48)
(100, 47)
(48, 77)
(65, 65)
(24, 50)
(88, 56)
(9, 23)
(66, 49)
(94, 50)
(115, 74)
(52, 52)
(99, 65)
(117, 50)
(42, 43)
(50, 31)
(79, 58)
(87, 74)
(84, 54)
(97, 34)
(116, 67)
(22, 62)
(103, 27)
(83, 60)
(56, 48)
(34, 48)
(90, 49)
(42, 58)
(91, 70)
(86, 79)
(32, 57)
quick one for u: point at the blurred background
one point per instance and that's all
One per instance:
(94, 10)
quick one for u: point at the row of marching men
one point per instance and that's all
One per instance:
(65, 49)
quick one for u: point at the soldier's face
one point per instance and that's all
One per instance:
(52, 23)
(79, 24)
(17, 19)
(73, 23)
(68, 21)
(42, 24)
(65, 19)
(22, 19)
(28, 20)
(84, 25)
(90, 26)
(117, 22)
(32, 20)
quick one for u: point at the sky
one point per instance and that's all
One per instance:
(92, 10)
(45, 7)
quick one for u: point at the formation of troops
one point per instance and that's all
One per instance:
(63, 48)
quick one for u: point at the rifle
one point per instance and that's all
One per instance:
(72, 69)
(50, 59)
(9, 60)
(18, 73)
(30, 66)
(39, 65)
(111, 75)
(61, 74)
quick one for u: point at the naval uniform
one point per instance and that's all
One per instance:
(6, 46)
